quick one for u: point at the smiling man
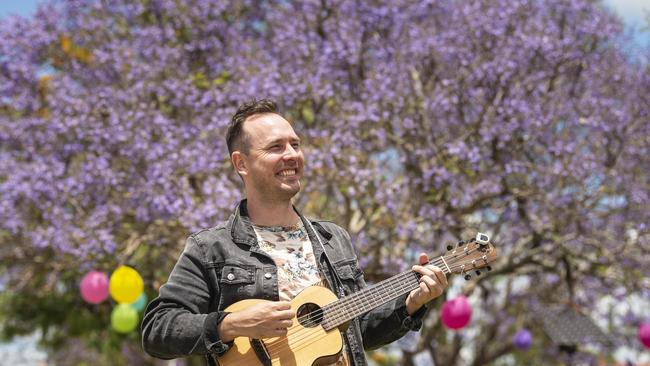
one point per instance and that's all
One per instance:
(269, 159)
(267, 250)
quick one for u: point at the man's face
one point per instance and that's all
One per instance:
(275, 162)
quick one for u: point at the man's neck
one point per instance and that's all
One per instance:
(271, 213)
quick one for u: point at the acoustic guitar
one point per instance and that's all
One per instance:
(315, 336)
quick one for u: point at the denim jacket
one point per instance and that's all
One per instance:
(224, 264)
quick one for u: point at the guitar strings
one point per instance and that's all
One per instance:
(375, 288)
(401, 276)
(307, 337)
(307, 333)
(337, 312)
(394, 280)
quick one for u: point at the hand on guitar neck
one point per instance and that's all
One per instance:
(433, 282)
(262, 320)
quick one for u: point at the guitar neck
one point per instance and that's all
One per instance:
(475, 253)
(361, 302)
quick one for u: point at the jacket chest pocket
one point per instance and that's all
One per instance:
(350, 274)
(236, 282)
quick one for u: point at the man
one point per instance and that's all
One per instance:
(268, 250)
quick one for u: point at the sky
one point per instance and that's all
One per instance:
(636, 15)
(17, 7)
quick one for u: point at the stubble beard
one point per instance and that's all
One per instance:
(271, 192)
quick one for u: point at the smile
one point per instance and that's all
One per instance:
(286, 173)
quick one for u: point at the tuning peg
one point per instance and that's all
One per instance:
(461, 243)
(478, 273)
(450, 247)
(489, 268)
(468, 277)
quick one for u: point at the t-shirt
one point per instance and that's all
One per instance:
(292, 253)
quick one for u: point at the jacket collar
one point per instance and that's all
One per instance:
(241, 228)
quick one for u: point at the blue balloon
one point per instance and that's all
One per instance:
(141, 302)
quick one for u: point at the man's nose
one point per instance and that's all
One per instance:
(290, 152)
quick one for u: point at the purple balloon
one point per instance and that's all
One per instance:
(644, 334)
(456, 313)
(94, 287)
(523, 339)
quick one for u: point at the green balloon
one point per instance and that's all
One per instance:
(124, 318)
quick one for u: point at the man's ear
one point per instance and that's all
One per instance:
(239, 162)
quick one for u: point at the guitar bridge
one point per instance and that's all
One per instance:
(261, 352)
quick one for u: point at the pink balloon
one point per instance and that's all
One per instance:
(644, 334)
(456, 313)
(94, 287)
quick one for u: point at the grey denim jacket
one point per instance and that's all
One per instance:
(222, 265)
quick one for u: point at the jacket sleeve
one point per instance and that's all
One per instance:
(389, 323)
(177, 323)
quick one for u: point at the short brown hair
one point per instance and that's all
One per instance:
(236, 139)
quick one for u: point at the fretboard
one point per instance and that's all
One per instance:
(361, 302)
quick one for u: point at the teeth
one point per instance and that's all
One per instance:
(285, 173)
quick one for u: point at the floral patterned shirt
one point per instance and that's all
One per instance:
(292, 253)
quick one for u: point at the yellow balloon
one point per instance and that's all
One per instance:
(125, 285)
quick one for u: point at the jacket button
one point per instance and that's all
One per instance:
(230, 276)
(268, 276)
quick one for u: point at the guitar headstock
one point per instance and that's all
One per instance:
(470, 255)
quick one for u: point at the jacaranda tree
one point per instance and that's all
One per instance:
(424, 121)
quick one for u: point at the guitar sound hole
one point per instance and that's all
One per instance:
(309, 315)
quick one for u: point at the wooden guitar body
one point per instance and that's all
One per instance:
(303, 346)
